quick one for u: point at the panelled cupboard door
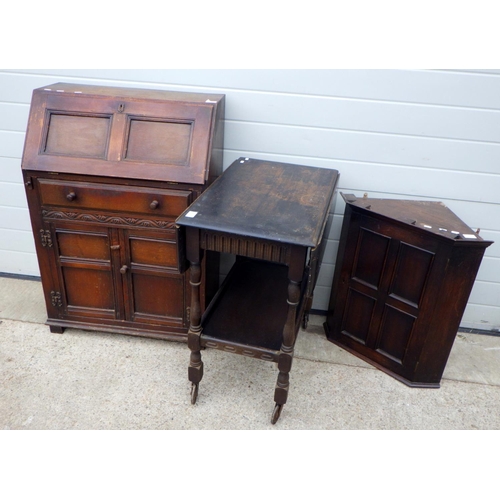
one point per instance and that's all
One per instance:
(154, 287)
(87, 269)
(386, 279)
(116, 274)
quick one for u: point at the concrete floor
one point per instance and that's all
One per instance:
(94, 380)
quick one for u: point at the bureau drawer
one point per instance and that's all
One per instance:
(68, 194)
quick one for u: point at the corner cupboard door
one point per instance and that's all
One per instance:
(391, 279)
(154, 287)
(87, 260)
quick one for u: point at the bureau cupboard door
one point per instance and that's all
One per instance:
(87, 259)
(389, 287)
(154, 289)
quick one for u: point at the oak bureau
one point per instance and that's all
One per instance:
(107, 171)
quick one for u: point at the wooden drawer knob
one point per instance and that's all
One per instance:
(154, 204)
(123, 269)
(71, 196)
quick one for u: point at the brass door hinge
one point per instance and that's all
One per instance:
(56, 298)
(46, 238)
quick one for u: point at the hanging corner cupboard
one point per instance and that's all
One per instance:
(403, 276)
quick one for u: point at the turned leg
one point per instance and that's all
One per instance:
(195, 370)
(286, 351)
(285, 357)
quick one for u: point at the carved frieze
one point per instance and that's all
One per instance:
(107, 219)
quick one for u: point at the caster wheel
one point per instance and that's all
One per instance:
(305, 321)
(194, 393)
(276, 413)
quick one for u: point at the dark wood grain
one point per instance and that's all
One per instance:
(107, 170)
(95, 196)
(274, 201)
(125, 133)
(402, 281)
(273, 217)
(251, 286)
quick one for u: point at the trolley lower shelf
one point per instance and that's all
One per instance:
(248, 313)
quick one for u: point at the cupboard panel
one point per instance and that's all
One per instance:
(400, 325)
(358, 315)
(371, 257)
(157, 298)
(89, 288)
(77, 135)
(413, 267)
(158, 141)
(83, 245)
(153, 252)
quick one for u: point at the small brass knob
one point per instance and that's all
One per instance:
(154, 204)
(71, 196)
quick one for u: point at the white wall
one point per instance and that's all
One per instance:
(406, 134)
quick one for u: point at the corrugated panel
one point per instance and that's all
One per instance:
(449, 154)
(440, 88)
(493, 250)
(14, 117)
(17, 240)
(12, 194)
(489, 270)
(14, 218)
(409, 134)
(481, 317)
(10, 170)
(11, 143)
(14, 262)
